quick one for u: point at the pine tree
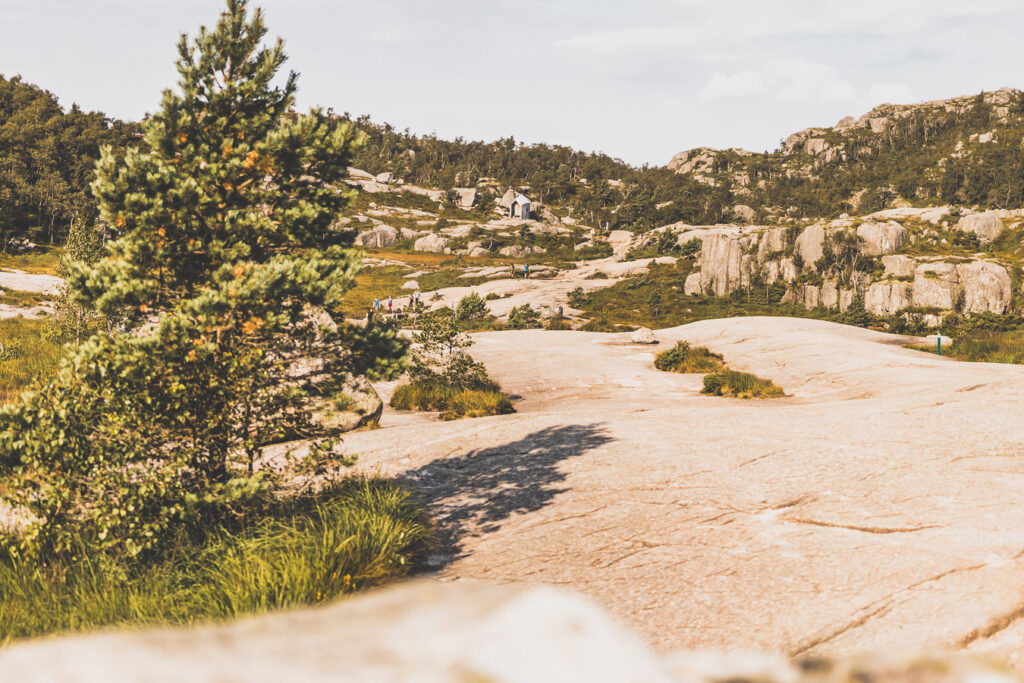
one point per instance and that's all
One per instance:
(225, 268)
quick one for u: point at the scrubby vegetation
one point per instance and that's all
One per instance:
(444, 377)
(26, 356)
(684, 358)
(523, 317)
(303, 551)
(735, 384)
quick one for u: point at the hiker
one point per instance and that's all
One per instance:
(376, 304)
(391, 302)
(512, 271)
(526, 271)
(369, 317)
(417, 295)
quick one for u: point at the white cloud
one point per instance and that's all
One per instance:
(387, 37)
(890, 93)
(785, 79)
(733, 86)
(697, 24)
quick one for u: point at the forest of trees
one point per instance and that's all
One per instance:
(47, 161)
(48, 155)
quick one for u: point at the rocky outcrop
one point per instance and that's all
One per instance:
(383, 236)
(887, 298)
(744, 213)
(899, 266)
(433, 243)
(986, 226)
(987, 287)
(936, 285)
(693, 285)
(882, 238)
(519, 250)
(721, 260)
(620, 241)
(810, 244)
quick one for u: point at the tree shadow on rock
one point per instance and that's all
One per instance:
(472, 494)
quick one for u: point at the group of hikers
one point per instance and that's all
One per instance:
(512, 271)
(391, 307)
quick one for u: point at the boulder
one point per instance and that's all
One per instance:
(936, 285)
(987, 287)
(810, 244)
(882, 238)
(384, 178)
(466, 197)
(416, 631)
(378, 238)
(433, 243)
(692, 286)
(986, 226)
(744, 213)
(411, 285)
(458, 231)
(583, 245)
(886, 298)
(899, 266)
(643, 335)
(477, 252)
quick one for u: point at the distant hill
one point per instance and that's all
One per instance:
(965, 150)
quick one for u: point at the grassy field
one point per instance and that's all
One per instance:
(360, 534)
(985, 346)
(26, 356)
(44, 261)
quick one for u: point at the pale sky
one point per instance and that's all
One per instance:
(636, 79)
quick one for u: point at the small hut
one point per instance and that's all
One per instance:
(520, 207)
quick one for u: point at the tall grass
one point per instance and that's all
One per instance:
(688, 359)
(451, 402)
(359, 534)
(989, 347)
(25, 356)
(737, 384)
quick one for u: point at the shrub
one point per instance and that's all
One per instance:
(471, 307)
(578, 298)
(523, 318)
(737, 384)
(356, 534)
(687, 359)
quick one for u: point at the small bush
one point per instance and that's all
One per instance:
(559, 323)
(578, 298)
(471, 307)
(452, 402)
(688, 359)
(523, 318)
(737, 384)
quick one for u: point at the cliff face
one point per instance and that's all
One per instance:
(925, 260)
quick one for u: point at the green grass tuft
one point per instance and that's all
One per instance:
(451, 402)
(361, 533)
(687, 359)
(737, 384)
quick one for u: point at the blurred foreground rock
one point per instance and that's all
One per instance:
(426, 631)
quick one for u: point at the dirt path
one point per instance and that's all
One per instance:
(880, 505)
